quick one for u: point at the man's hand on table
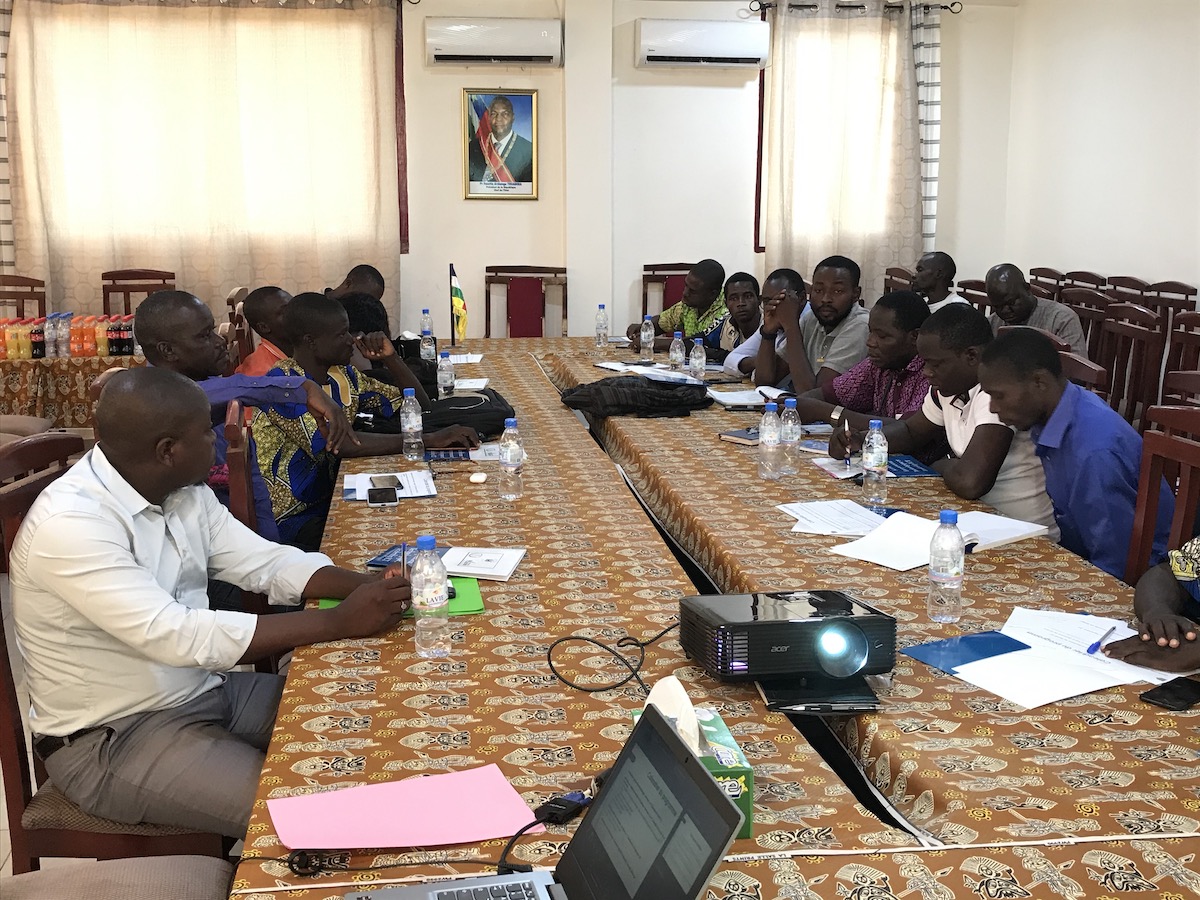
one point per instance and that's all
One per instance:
(376, 606)
(452, 436)
(1137, 652)
(1168, 630)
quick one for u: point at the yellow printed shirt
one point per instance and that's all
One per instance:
(1185, 566)
(691, 322)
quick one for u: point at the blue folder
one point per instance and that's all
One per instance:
(951, 653)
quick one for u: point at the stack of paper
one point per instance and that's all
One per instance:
(488, 563)
(746, 399)
(902, 541)
(408, 485)
(462, 359)
(470, 384)
(843, 518)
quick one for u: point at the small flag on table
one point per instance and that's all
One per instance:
(458, 307)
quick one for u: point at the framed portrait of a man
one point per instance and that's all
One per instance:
(499, 145)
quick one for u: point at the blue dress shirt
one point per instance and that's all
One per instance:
(1092, 458)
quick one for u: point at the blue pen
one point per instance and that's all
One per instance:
(1096, 646)
(846, 424)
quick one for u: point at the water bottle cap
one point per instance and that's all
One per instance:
(648, 318)
(948, 517)
(697, 341)
(771, 406)
(602, 306)
(445, 354)
(410, 392)
(790, 403)
(510, 423)
(424, 312)
(679, 335)
(876, 423)
(426, 542)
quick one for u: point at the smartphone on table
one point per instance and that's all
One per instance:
(1176, 695)
(382, 496)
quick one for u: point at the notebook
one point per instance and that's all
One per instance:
(814, 695)
(657, 831)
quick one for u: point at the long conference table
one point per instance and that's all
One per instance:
(1090, 797)
(55, 389)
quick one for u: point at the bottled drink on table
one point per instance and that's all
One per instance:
(51, 335)
(430, 600)
(426, 322)
(512, 462)
(789, 436)
(445, 376)
(102, 348)
(601, 328)
(412, 425)
(428, 347)
(37, 339)
(132, 347)
(63, 334)
(87, 333)
(675, 355)
(770, 451)
(24, 339)
(697, 359)
(647, 339)
(946, 562)
(875, 465)
(3, 338)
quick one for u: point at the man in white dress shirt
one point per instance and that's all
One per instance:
(132, 707)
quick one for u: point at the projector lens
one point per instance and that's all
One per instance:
(841, 649)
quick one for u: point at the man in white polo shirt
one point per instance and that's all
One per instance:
(990, 461)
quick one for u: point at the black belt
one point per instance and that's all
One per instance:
(49, 744)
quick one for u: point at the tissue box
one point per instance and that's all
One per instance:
(725, 760)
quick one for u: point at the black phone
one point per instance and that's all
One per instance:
(382, 496)
(1176, 695)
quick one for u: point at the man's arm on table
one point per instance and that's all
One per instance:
(265, 390)
(903, 436)
(974, 473)
(379, 347)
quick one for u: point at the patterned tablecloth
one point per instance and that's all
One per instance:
(958, 762)
(366, 711)
(55, 389)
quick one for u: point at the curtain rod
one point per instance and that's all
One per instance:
(953, 8)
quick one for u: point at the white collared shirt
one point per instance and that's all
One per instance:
(110, 596)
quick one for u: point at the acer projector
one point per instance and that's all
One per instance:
(741, 637)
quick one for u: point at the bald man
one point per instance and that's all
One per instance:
(263, 310)
(1014, 304)
(133, 709)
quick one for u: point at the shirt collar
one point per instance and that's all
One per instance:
(272, 349)
(124, 493)
(962, 401)
(1054, 431)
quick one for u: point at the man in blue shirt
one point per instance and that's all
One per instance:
(1091, 455)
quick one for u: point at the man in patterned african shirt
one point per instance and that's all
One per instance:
(697, 313)
(1167, 603)
(299, 469)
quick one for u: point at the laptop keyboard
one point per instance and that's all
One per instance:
(516, 890)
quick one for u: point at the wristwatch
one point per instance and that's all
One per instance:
(836, 416)
(767, 334)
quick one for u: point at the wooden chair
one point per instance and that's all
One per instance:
(1090, 305)
(42, 822)
(1183, 351)
(234, 301)
(1128, 289)
(1181, 388)
(1170, 299)
(897, 278)
(1131, 349)
(670, 276)
(1050, 280)
(124, 283)
(974, 292)
(1084, 372)
(1084, 279)
(19, 291)
(241, 345)
(525, 303)
(1059, 344)
(1170, 450)
(1042, 292)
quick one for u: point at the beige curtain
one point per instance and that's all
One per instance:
(233, 143)
(842, 158)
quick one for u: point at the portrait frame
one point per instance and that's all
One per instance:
(495, 167)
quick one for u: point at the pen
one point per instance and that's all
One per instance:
(404, 559)
(1103, 638)
(846, 428)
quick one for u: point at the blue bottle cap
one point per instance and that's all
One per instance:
(510, 423)
(410, 392)
(948, 517)
(876, 423)
(424, 312)
(697, 341)
(771, 406)
(648, 317)
(679, 335)
(789, 403)
(602, 306)
(426, 542)
(445, 354)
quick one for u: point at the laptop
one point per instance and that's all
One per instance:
(657, 831)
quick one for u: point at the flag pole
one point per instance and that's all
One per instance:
(450, 285)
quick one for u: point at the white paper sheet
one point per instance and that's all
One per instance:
(462, 359)
(1034, 677)
(470, 384)
(996, 530)
(901, 543)
(615, 366)
(418, 483)
(487, 563)
(837, 517)
(756, 397)
(489, 452)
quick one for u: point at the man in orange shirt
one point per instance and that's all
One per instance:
(263, 309)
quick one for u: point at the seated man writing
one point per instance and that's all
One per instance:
(298, 463)
(700, 309)
(1014, 304)
(1167, 603)
(797, 352)
(263, 311)
(134, 711)
(1091, 456)
(890, 383)
(989, 462)
(745, 315)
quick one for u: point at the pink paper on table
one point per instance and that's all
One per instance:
(454, 808)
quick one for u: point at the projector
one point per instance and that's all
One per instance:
(740, 637)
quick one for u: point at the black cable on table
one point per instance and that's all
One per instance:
(627, 641)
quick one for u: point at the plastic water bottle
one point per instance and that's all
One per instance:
(946, 570)
(647, 339)
(875, 465)
(51, 330)
(697, 359)
(426, 322)
(676, 355)
(770, 451)
(412, 426)
(430, 600)
(601, 328)
(789, 436)
(512, 462)
(428, 347)
(445, 376)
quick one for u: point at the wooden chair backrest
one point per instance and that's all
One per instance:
(1131, 349)
(1083, 278)
(897, 278)
(1182, 388)
(974, 292)
(1084, 372)
(1059, 344)
(525, 297)
(670, 276)
(125, 283)
(1089, 305)
(1183, 351)
(20, 291)
(1047, 278)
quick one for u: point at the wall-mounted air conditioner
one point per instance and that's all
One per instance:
(700, 42)
(493, 42)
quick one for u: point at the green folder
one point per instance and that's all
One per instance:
(467, 599)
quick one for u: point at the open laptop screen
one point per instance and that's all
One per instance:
(658, 828)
